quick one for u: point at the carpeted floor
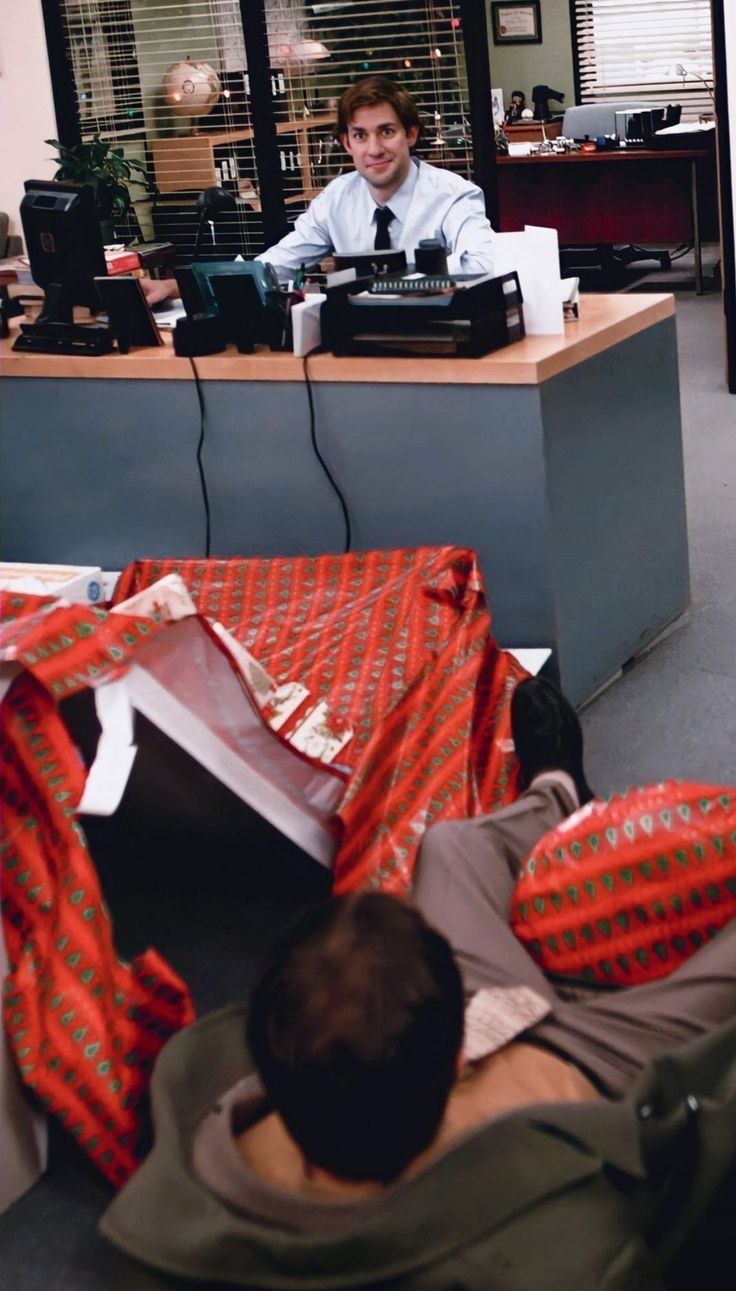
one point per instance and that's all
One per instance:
(672, 714)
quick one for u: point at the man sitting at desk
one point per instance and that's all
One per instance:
(391, 199)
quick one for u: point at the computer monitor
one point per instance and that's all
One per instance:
(371, 262)
(64, 245)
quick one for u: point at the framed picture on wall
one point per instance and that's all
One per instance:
(516, 23)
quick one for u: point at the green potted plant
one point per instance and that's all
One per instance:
(108, 172)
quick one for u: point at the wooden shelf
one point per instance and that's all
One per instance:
(187, 162)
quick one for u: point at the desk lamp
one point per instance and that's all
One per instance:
(211, 202)
(684, 72)
(541, 95)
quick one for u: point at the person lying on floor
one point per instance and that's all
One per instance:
(336, 1134)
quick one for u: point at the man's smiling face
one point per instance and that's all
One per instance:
(380, 148)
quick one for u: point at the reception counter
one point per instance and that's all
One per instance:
(559, 459)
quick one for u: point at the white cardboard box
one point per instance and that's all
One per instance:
(77, 583)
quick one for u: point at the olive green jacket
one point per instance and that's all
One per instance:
(565, 1197)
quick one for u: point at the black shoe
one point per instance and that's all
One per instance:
(547, 734)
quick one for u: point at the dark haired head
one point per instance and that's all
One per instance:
(355, 1030)
(371, 90)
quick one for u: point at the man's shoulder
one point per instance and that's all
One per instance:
(343, 186)
(445, 181)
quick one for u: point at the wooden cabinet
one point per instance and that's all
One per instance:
(533, 131)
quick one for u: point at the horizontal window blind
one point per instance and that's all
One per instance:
(169, 82)
(657, 51)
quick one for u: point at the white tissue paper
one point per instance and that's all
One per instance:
(534, 254)
(305, 322)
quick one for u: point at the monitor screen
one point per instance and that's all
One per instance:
(61, 228)
(371, 262)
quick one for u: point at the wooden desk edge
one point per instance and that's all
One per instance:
(605, 321)
(612, 155)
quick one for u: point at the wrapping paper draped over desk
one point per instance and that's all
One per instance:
(400, 644)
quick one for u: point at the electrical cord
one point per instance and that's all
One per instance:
(681, 251)
(318, 455)
(200, 463)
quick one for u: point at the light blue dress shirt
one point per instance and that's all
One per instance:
(431, 203)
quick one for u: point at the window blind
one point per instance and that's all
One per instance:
(168, 81)
(657, 51)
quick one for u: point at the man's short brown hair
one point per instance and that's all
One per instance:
(377, 89)
(355, 1030)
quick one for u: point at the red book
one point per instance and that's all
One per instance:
(122, 261)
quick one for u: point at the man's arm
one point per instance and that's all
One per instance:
(307, 243)
(468, 234)
(157, 290)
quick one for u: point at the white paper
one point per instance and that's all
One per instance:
(169, 316)
(279, 804)
(108, 775)
(305, 323)
(534, 254)
(533, 658)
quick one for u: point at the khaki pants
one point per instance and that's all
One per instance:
(464, 880)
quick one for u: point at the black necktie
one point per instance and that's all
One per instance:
(384, 216)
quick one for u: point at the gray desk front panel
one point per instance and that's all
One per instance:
(616, 492)
(418, 465)
(571, 492)
(96, 472)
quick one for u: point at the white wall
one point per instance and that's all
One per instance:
(26, 105)
(521, 67)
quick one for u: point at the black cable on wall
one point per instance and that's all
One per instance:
(480, 104)
(63, 88)
(725, 172)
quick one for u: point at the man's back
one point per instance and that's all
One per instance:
(516, 1076)
(553, 1196)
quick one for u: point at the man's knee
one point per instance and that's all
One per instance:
(439, 855)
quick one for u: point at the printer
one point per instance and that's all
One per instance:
(423, 314)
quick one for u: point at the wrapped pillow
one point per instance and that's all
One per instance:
(627, 888)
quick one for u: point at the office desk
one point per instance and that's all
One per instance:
(640, 196)
(559, 459)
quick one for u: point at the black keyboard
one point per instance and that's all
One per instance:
(427, 285)
(64, 338)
